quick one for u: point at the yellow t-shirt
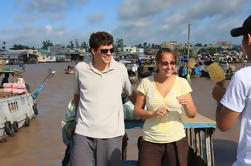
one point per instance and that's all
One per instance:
(164, 129)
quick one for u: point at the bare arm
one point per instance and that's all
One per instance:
(144, 114)
(218, 92)
(76, 101)
(132, 98)
(187, 102)
(225, 118)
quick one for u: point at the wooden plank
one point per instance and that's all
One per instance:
(199, 125)
(212, 148)
(9, 71)
(188, 134)
(197, 142)
(197, 118)
(201, 143)
(124, 147)
(208, 148)
(199, 121)
(192, 138)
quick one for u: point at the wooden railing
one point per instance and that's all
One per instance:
(199, 132)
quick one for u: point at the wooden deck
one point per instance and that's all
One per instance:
(199, 132)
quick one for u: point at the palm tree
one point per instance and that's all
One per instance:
(4, 42)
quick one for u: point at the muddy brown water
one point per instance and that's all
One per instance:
(41, 144)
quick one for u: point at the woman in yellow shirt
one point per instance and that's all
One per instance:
(160, 101)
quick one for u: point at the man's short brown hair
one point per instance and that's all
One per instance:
(100, 38)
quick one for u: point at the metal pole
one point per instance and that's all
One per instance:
(188, 42)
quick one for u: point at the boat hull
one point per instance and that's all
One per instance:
(69, 72)
(17, 108)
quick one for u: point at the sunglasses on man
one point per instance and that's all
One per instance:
(105, 51)
(167, 63)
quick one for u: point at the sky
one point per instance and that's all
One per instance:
(29, 22)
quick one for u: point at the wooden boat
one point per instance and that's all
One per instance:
(199, 131)
(146, 70)
(69, 70)
(16, 110)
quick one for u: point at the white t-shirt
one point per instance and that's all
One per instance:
(238, 98)
(100, 111)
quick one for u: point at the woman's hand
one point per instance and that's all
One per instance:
(187, 102)
(183, 100)
(161, 112)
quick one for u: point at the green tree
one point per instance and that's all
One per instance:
(4, 43)
(77, 43)
(182, 51)
(198, 45)
(153, 46)
(139, 45)
(84, 45)
(145, 45)
(119, 44)
(194, 53)
(46, 44)
(71, 45)
(19, 47)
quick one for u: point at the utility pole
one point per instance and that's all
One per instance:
(188, 41)
(189, 70)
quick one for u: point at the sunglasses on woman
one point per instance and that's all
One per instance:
(167, 63)
(105, 51)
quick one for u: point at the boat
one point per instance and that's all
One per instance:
(199, 131)
(17, 109)
(69, 70)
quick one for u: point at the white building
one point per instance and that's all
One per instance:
(130, 49)
(140, 50)
(41, 58)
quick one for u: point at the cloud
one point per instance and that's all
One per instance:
(138, 21)
(135, 31)
(53, 10)
(34, 35)
(141, 8)
(48, 27)
(96, 18)
(26, 18)
(211, 20)
(50, 5)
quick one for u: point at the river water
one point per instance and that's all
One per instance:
(41, 144)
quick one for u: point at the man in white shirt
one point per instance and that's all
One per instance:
(97, 140)
(236, 100)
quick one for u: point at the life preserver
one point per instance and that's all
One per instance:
(35, 109)
(15, 126)
(8, 128)
(27, 122)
